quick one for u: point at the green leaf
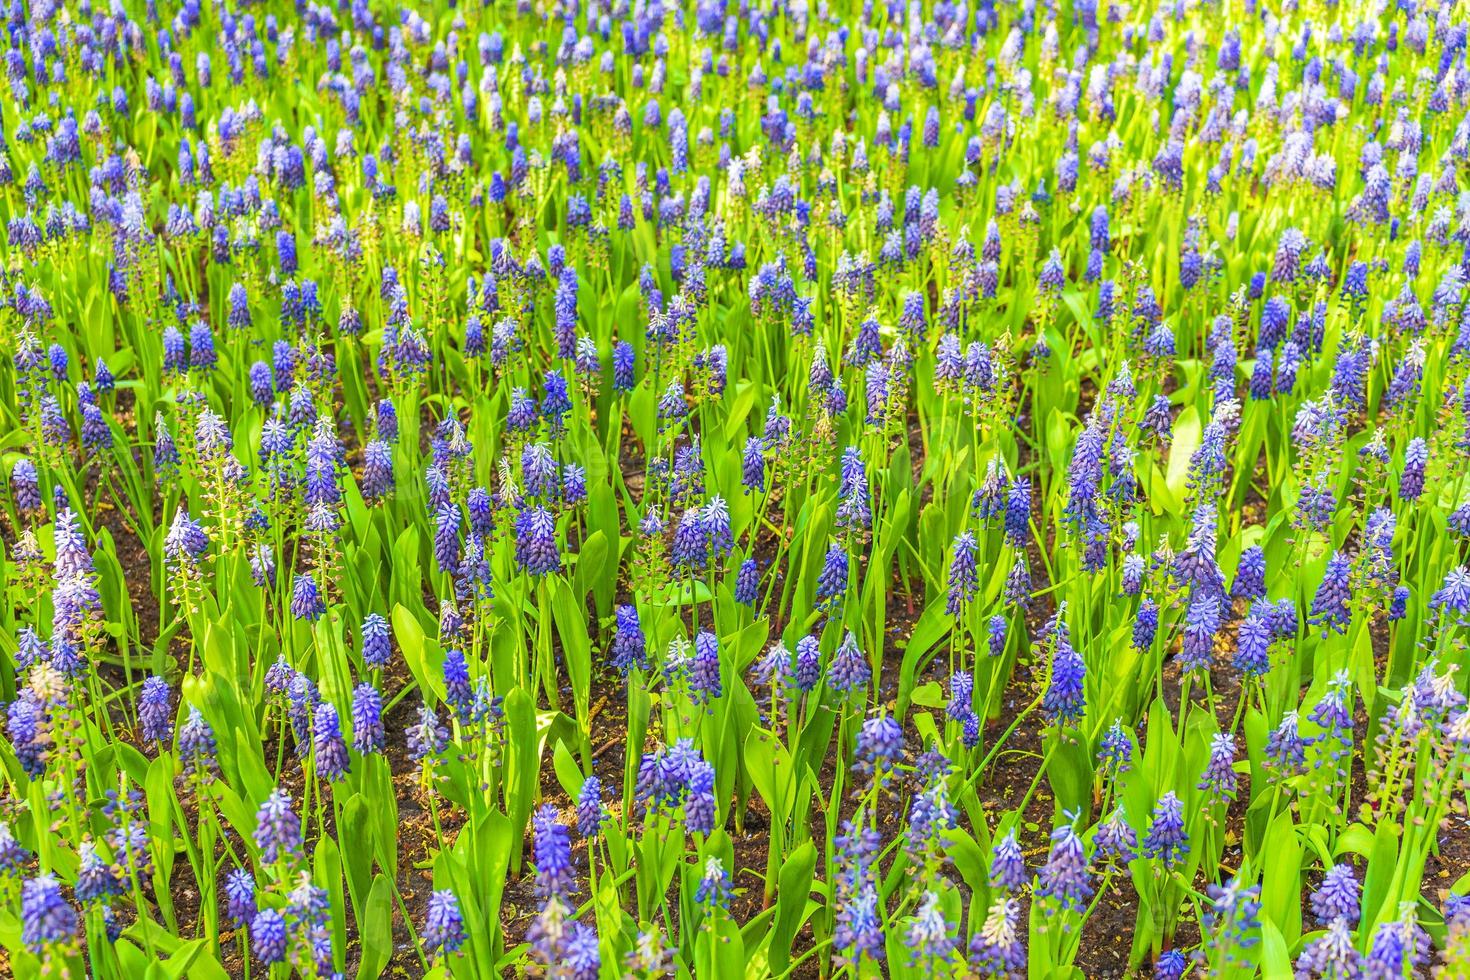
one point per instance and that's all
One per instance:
(1185, 441)
(375, 928)
(791, 902)
(571, 629)
(420, 653)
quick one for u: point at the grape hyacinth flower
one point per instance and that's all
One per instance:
(1331, 954)
(930, 934)
(591, 814)
(858, 931)
(444, 931)
(1250, 575)
(747, 583)
(713, 891)
(1337, 897)
(1330, 606)
(47, 918)
(996, 636)
(1007, 864)
(880, 744)
(97, 881)
(1066, 877)
(1116, 840)
(1401, 947)
(553, 856)
(806, 667)
(998, 950)
(196, 744)
(1253, 646)
(1166, 840)
(1230, 922)
(25, 487)
(327, 742)
(186, 543)
(1220, 780)
(368, 734)
(1411, 481)
(1170, 965)
(535, 545)
(239, 892)
(832, 580)
(155, 710)
(306, 599)
(963, 575)
(704, 669)
(1115, 752)
(277, 829)
(268, 936)
(459, 692)
(849, 670)
(690, 549)
(1200, 625)
(426, 738)
(628, 649)
(28, 726)
(377, 643)
(1286, 749)
(1065, 700)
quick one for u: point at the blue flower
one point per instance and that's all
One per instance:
(1454, 596)
(426, 738)
(377, 643)
(1201, 623)
(327, 742)
(880, 743)
(690, 549)
(858, 931)
(714, 886)
(591, 814)
(998, 949)
(240, 897)
(849, 670)
(1066, 877)
(268, 936)
(1338, 897)
(628, 647)
(832, 579)
(624, 362)
(367, 719)
(964, 578)
(1065, 700)
(535, 546)
(1330, 606)
(1007, 865)
(929, 933)
(306, 599)
(97, 881)
(377, 471)
(553, 856)
(444, 930)
(1170, 965)
(1220, 780)
(1250, 575)
(277, 828)
(1116, 749)
(1166, 840)
(1331, 954)
(196, 743)
(704, 671)
(155, 711)
(996, 635)
(747, 582)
